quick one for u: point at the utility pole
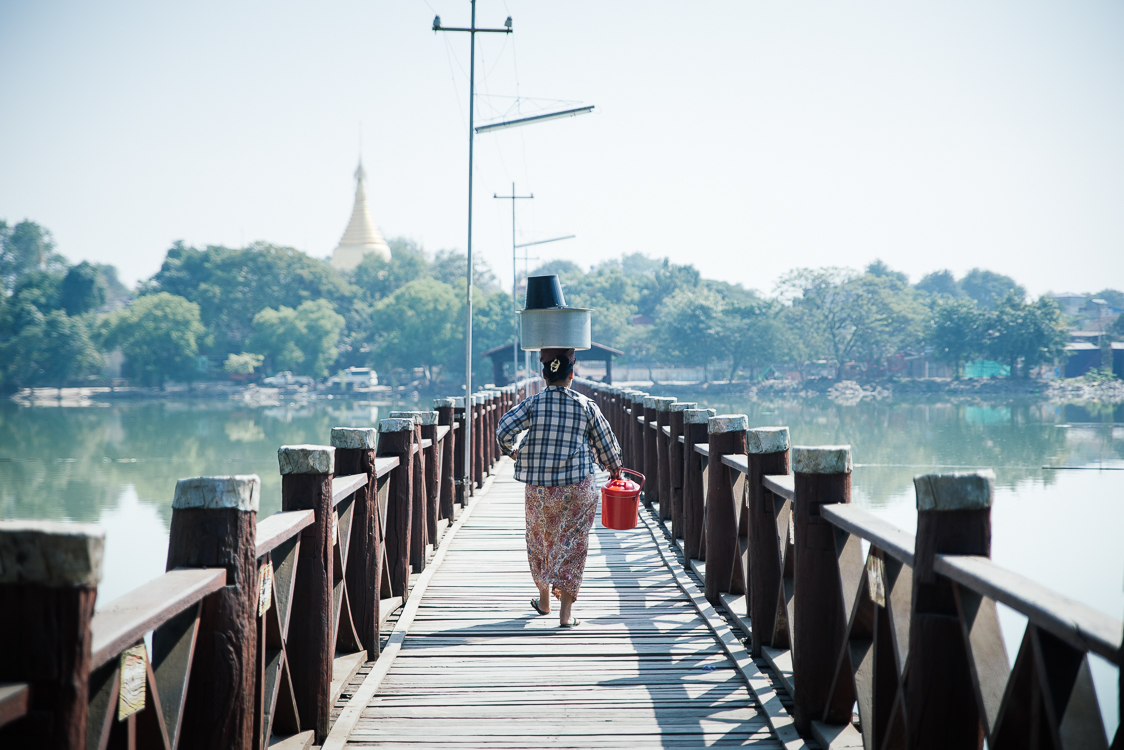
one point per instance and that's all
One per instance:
(514, 278)
(472, 32)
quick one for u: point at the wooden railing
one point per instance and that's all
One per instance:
(909, 633)
(257, 627)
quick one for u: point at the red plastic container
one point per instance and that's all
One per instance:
(620, 502)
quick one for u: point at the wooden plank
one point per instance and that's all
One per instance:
(279, 527)
(780, 484)
(385, 464)
(882, 534)
(14, 700)
(736, 462)
(1077, 624)
(124, 621)
(343, 487)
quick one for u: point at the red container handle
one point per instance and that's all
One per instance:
(638, 474)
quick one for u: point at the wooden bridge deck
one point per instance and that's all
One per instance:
(479, 668)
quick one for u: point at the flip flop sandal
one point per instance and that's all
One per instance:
(572, 624)
(535, 604)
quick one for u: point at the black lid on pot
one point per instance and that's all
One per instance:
(544, 292)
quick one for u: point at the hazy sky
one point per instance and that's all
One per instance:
(747, 138)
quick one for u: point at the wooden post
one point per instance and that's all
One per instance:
(214, 525)
(726, 435)
(355, 454)
(477, 440)
(396, 438)
(49, 575)
(675, 465)
(460, 481)
(663, 463)
(822, 477)
(447, 492)
(306, 484)
(651, 468)
(636, 428)
(694, 478)
(767, 449)
(428, 468)
(953, 518)
(624, 428)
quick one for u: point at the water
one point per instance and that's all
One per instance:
(117, 465)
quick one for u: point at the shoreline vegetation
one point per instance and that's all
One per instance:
(1084, 391)
(244, 315)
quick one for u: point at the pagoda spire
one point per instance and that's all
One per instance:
(361, 236)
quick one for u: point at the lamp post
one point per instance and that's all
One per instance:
(472, 32)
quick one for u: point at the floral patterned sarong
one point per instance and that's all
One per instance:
(558, 524)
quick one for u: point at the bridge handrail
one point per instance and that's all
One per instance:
(295, 599)
(790, 543)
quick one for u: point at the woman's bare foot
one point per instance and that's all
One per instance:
(565, 616)
(544, 600)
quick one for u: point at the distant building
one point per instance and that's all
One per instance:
(361, 236)
(1070, 303)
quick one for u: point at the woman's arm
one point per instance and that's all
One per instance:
(604, 442)
(511, 424)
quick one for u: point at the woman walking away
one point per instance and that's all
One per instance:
(566, 434)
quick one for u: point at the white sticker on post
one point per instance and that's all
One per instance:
(134, 669)
(876, 580)
(335, 528)
(265, 587)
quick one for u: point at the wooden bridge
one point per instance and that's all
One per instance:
(388, 603)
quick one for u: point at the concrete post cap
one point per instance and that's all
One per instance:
(361, 438)
(767, 440)
(727, 423)
(444, 403)
(396, 425)
(664, 403)
(49, 553)
(458, 402)
(961, 490)
(683, 406)
(419, 417)
(638, 397)
(241, 492)
(821, 459)
(697, 416)
(306, 459)
(649, 402)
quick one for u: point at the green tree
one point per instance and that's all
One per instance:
(1027, 333)
(301, 340)
(688, 327)
(1114, 297)
(51, 350)
(416, 326)
(232, 286)
(159, 335)
(24, 248)
(750, 334)
(879, 269)
(988, 287)
(450, 267)
(40, 288)
(82, 289)
(957, 331)
(940, 283)
(845, 316)
(379, 278)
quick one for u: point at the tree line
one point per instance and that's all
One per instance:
(264, 309)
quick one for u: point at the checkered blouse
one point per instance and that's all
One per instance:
(566, 433)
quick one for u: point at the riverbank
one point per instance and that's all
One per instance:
(847, 392)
